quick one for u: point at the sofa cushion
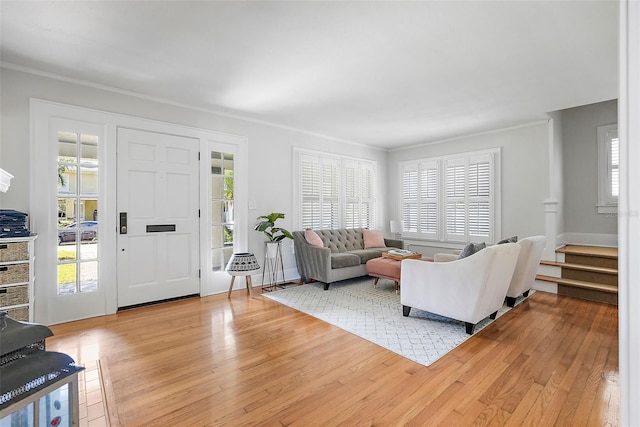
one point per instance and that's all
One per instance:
(313, 238)
(373, 239)
(367, 254)
(471, 249)
(513, 239)
(342, 240)
(344, 259)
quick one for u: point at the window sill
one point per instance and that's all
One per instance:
(607, 209)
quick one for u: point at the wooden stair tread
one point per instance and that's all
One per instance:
(582, 267)
(579, 283)
(597, 251)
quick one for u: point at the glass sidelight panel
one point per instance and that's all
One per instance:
(77, 214)
(222, 216)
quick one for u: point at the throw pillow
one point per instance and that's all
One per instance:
(373, 239)
(513, 239)
(471, 249)
(313, 238)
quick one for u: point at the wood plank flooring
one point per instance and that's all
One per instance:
(213, 361)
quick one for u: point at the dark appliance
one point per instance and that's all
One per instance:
(37, 387)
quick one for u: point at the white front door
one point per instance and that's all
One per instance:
(158, 226)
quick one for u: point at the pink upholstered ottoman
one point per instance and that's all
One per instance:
(386, 268)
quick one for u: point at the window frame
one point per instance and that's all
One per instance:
(462, 195)
(607, 202)
(363, 204)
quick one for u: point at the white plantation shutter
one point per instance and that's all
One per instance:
(410, 184)
(359, 194)
(450, 198)
(608, 169)
(330, 216)
(334, 192)
(319, 185)
(420, 199)
(455, 190)
(351, 196)
(310, 177)
(428, 207)
(614, 174)
(479, 198)
(367, 195)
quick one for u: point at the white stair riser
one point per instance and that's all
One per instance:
(550, 270)
(550, 287)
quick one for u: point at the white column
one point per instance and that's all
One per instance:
(629, 213)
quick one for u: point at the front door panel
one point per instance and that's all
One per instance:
(158, 189)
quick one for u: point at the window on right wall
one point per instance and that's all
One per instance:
(608, 169)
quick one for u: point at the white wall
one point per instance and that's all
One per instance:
(525, 173)
(270, 148)
(582, 222)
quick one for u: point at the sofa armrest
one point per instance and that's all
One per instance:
(394, 243)
(313, 262)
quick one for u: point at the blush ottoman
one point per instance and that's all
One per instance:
(385, 268)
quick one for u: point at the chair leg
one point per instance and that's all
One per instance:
(526, 293)
(397, 286)
(405, 310)
(469, 327)
(326, 286)
(375, 282)
(493, 315)
(247, 278)
(511, 301)
(233, 278)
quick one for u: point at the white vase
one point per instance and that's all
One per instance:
(272, 249)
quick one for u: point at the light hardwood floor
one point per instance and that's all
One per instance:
(552, 360)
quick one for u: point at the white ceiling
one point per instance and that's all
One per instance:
(386, 74)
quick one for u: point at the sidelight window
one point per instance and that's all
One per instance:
(77, 213)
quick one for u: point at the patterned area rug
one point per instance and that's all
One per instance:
(375, 314)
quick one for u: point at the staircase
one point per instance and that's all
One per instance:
(587, 272)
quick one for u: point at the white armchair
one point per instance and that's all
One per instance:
(469, 289)
(531, 249)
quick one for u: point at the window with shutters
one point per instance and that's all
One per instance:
(608, 172)
(451, 198)
(334, 192)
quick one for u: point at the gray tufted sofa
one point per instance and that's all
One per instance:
(342, 257)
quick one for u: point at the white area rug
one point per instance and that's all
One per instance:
(375, 314)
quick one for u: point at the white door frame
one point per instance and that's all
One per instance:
(43, 189)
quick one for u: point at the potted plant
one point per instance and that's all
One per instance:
(268, 227)
(274, 234)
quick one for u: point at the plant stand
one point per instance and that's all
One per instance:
(273, 269)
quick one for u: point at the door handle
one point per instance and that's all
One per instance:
(123, 223)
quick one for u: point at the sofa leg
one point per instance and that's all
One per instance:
(375, 281)
(326, 286)
(493, 315)
(511, 301)
(405, 310)
(469, 327)
(526, 293)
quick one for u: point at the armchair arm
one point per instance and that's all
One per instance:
(449, 289)
(442, 257)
